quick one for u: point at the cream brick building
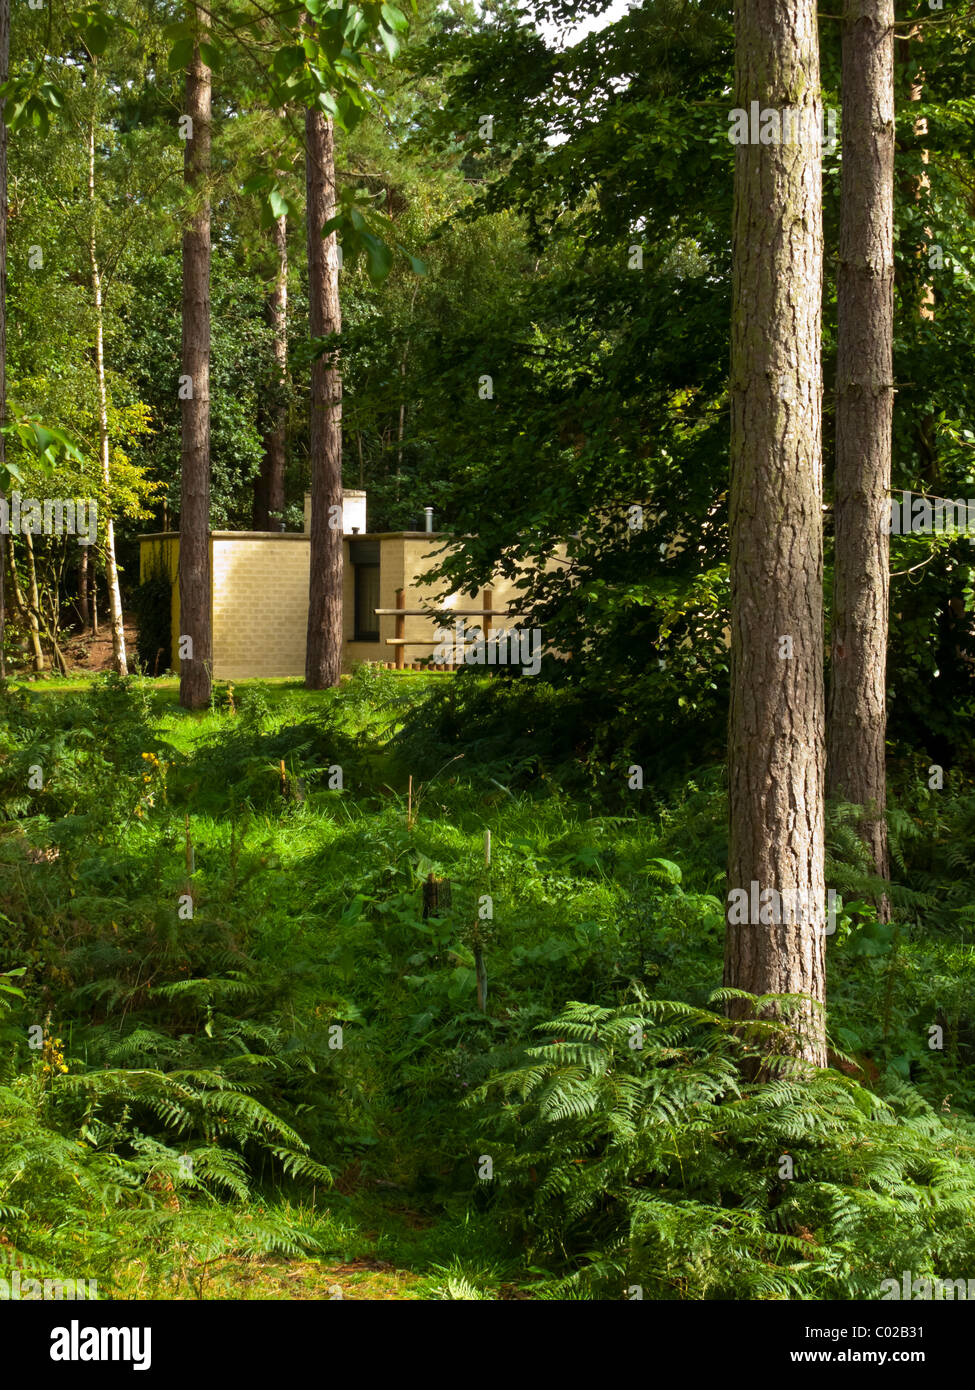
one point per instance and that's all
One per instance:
(259, 594)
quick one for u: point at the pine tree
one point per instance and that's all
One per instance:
(194, 515)
(864, 415)
(776, 734)
(323, 659)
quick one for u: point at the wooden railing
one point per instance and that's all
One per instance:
(487, 611)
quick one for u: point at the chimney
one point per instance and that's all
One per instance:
(353, 512)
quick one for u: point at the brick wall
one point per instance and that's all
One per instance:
(260, 599)
(260, 604)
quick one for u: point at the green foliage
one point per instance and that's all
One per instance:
(194, 913)
(630, 1151)
(212, 1038)
(516, 731)
(152, 602)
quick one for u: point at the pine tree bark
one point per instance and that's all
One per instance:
(269, 489)
(194, 516)
(323, 659)
(776, 727)
(856, 758)
(116, 621)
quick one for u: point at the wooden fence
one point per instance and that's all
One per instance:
(487, 611)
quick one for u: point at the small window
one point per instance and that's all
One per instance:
(366, 603)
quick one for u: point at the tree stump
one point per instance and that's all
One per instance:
(436, 895)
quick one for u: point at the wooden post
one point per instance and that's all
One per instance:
(400, 627)
(487, 603)
(480, 970)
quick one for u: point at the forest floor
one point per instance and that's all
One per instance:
(375, 1248)
(210, 1035)
(87, 655)
(93, 653)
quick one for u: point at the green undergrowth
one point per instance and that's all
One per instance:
(238, 1057)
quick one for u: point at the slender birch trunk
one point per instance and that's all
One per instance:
(116, 621)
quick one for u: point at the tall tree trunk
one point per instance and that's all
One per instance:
(4, 74)
(93, 591)
(104, 449)
(83, 611)
(323, 659)
(194, 513)
(909, 61)
(776, 733)
(856, 758)
(269, 488)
